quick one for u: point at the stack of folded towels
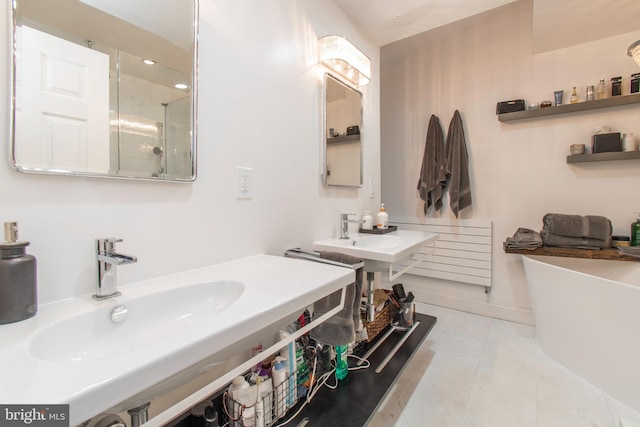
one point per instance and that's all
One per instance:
(575, 231)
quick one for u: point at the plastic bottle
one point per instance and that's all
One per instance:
(367, 221)
(601, 92)
(635, 232)
(383, 219)
(280, 386)
(574, 96)
(238, 384)
(342, 368)
(288, 354)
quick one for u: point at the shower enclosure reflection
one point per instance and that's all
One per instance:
(149, 124)
(105, 88)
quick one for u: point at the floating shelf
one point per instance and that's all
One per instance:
(603, 157)
(343, 139)
(610, 254)
(615, 101)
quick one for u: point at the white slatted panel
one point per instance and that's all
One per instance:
(462, 252)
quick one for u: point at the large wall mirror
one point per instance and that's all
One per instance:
(105, 88)
(342, 134)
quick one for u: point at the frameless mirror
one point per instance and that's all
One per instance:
(105, 88)
(342, 134)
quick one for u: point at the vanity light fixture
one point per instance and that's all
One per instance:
(634, 51)
(340, 55)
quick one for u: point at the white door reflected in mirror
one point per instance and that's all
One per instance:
(105, 88)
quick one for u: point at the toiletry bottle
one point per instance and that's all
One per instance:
(18, 283)
(279, 377)
(367, 221)
(259, 409)
(383, 219)
(574, 96)
(635, 232)
(342, 367)
(601, 92)
(238, 384)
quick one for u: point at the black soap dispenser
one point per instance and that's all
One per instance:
(18, 285)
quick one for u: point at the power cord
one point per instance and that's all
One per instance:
(322, 381)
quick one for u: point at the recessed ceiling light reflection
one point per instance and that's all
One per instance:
(149, 61)
(181, 86)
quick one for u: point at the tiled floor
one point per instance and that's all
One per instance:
(474, 371)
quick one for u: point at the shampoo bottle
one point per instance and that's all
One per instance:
(383, 219)
(635, 232)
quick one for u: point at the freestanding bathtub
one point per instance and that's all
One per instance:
(587, 315)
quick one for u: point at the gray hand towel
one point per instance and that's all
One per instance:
(457, 166)
(341, 328)
(524, 238)
(590, 226)
(432, 180)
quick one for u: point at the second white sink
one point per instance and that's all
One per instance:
(383, 248)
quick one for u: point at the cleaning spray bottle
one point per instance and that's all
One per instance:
(383, 219)
(635, 231)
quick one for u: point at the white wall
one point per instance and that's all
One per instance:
(518, 169)
(259, 97)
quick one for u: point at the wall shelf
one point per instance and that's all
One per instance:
(571, 108)
(609, 253)
(343, 139)
(603, 157)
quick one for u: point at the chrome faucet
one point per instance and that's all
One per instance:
(107, 259)
(344, 224)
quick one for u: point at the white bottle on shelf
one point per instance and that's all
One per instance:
(280, 387)
(383, 219)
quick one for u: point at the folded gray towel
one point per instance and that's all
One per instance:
(550, 239)
(341, 328)
(590, 226)
(524, 238)
(432, 180)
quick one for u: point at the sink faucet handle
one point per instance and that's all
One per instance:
(107, 244)
(345, 216)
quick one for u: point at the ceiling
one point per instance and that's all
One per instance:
(386, 21)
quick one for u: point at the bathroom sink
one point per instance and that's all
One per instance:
(379, 251)
(148, 319)
(175, 330)
(379, 242)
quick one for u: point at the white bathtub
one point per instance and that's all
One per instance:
(587, 315)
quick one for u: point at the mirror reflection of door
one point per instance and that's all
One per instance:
(104, 88)
(66, 89)
(343, 134)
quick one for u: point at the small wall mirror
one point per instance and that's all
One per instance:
(105, 88)
(342, 134)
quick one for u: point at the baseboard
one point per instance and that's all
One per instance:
(482, 308)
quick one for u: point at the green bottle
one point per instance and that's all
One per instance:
(342, 368)
(635, 233)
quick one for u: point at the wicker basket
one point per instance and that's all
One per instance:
(381, 321)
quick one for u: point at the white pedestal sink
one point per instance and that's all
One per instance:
(73, 352)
